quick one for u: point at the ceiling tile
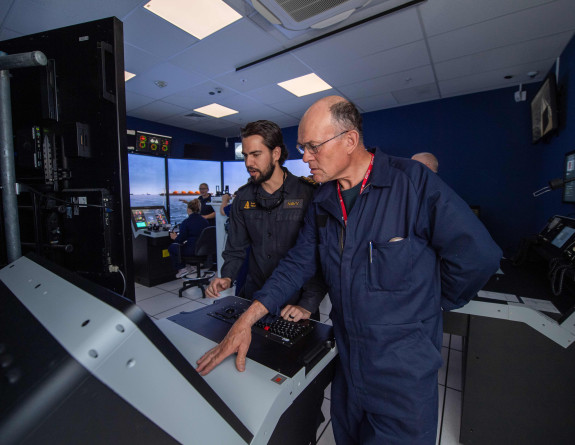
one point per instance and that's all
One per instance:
(396, 81)
(270, 94)
(4, 8)
(371, 38)
(441, 16)
(491, 80)
(134, 100)
(46, 18)
(503, 31)
(507, 56)
(176, 78)
(297, 106)
(199, 95)
(376, 102)
(155, 35)
(137, 61)
(276, 70)
(416, 94)
(236, 45)
(7, 34)
(386, 62)
(156, 110)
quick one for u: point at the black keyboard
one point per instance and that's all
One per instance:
(275, 328)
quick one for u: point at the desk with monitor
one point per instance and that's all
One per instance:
(151, 231)
(519, 359)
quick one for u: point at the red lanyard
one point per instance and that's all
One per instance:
(365, 178)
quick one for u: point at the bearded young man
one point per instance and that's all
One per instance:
(266, 216)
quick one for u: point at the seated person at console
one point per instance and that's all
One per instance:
(185, 240)
(266, 216)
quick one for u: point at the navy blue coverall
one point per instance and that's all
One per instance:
(207, 209)
(411, 247)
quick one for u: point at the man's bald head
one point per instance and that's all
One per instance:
(342, 114)
(427, 159)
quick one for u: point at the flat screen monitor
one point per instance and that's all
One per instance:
(544, 116)
(563, 236)
(239, 156)
(297, 167)
(143, 217)
(235, 175)
(147, 180)
(184, 179)
(569, 178)
(153, 144)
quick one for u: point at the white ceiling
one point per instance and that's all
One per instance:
(437, 49)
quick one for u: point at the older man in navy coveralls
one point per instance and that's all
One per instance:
(396, 245)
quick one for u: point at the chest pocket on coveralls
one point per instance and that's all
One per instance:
(389, 265)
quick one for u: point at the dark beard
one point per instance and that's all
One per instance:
(265, 176)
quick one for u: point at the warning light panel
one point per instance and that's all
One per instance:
(155, 144)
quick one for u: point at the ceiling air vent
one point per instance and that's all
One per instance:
(303, 14)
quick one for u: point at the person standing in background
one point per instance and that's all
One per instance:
(427, 159)
(207, 211)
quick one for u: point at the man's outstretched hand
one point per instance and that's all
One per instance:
(237, 341)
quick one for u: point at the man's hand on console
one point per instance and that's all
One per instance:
(295, 313)
(217, 285)
(236, 341)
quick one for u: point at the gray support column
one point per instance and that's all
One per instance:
(9, 201)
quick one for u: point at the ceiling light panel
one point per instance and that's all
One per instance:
(304, 85)
(215, 110)
(199, 18)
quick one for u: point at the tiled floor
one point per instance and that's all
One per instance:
(162, 301)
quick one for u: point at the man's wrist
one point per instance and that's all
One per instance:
(252, 314)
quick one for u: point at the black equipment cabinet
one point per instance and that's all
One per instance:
(71, 161)
(152, 263)
(518, 363)
(518, 386)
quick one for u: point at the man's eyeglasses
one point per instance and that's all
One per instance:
(313, 149)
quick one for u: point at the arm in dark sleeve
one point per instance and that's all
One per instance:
(469, 256)
(184, 232)
(314, 291)
(238, 241)
(295, 269)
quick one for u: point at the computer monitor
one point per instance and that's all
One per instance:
(562, 237)
(149, 216)
(544, 113)
(569, 178)
(153, 144)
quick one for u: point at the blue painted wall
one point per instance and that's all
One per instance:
(554, 151)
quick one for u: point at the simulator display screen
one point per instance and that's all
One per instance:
(149, 216)
(563, 237)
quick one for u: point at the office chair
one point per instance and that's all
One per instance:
(205, 253)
